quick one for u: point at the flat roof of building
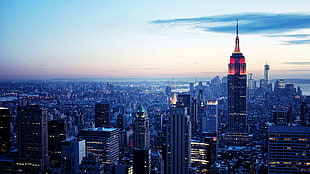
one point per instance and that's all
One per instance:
(100, 129)
(289, 129)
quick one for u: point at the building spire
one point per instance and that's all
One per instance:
(237, 49)
(237, 28)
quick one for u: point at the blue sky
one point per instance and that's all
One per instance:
(151, 39)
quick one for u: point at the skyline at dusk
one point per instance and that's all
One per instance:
(162, 39)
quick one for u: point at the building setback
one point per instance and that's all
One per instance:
(237, 80)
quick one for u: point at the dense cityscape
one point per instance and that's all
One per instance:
(230, 124)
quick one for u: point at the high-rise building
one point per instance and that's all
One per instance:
(199, 155)
(141, 160)
(237, 80)
(142, 152)
(57, 132)
(103, 142)
(188, 101)
(179, 141)
(280, 84)
(288, 149)
(266, 74)
(4, 130)
(73, 151)
(211, 122)
(251, 81)
(142, 129)
(102, 115)
(32, 140)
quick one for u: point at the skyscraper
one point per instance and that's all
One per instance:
(142, 129)
(251, 81)
(103, 142)
(73, 151)
(32, 140)
(57, 132)
(142, 152)
(237, 79)
(212, 116)
(142, 160)
(4, 130)
(266, 74)
(179, 141)
(288, 149)
(102, 115)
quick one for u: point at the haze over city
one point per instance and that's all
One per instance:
(151, 39)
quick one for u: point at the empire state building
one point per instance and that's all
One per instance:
(237, 129)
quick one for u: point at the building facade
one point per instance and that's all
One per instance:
(4, 130)
(237, 128)
(102, 115)
(179, 141)
(142, 129)
(104, 143)
(288, 149)
(32, 140)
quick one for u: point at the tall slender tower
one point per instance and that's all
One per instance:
(266, 74)
(237, 78)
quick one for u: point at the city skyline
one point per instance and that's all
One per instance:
(57, 39)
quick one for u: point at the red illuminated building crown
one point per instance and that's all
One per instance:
(237, 65)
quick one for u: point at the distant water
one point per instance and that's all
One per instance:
(7, 98)
(304, 87)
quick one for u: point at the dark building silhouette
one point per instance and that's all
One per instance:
(102, 115)
(32, 140)
(4, 130)
(57, 132)
(91, 165)
(304, 114)
(237, 87)
(142, 161)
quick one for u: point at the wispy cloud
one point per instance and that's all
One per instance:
(290, 35)
(151, 68)
(297, 42)
(301, 70)
(43, 65)
(297, 63)
(271, 25)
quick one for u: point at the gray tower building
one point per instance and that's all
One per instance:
(179, 141)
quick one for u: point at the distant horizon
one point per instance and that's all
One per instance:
(141, 79)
